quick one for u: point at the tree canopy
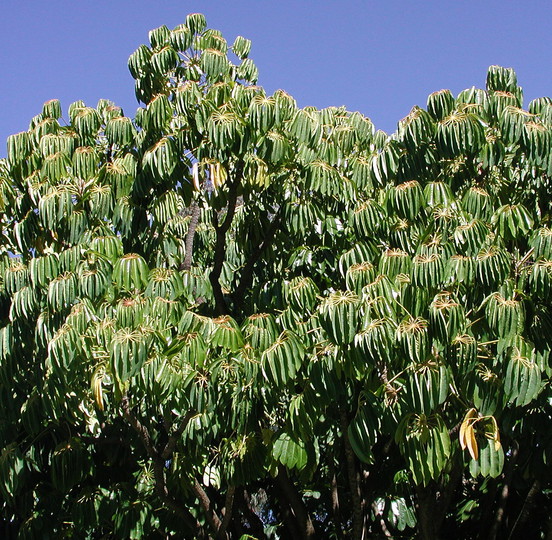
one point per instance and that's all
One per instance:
(230, 316)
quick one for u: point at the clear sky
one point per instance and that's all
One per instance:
(377, 57)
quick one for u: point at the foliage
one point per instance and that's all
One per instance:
(230, 316)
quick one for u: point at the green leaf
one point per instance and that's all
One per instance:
(339, 316)
(260, 330)
(503, 80)
(215, 64)
(159, 37)
(139, 61)
(196, 23)
(226, 334)
(130, 272)
(490, 461)
(161, 159)
(281, 361)
(129, 352)
(262, 113)
(13, 469)
(52, 109)
(62, 291)
(459, 133)
(289, 452)
(440, 104)
(412, 335)
(363, 430)
(522, 380)
(241, 47)
(120, 131)
(165, 60)
(181, 38)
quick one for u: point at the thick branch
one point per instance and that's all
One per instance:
(173, 439)
(296, 502)
(212, 518)
(159, 470)
(189, 242)
(335, 498)
(425, 506)
(228, 507)
(354, 481)
(220, 242)
(246, 277)
(142, 431)
(288, 519)
(526, 509)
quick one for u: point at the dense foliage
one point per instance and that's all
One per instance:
(232, 316)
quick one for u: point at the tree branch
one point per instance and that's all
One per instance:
(167, 452)
(526, 508)
(159, 470)
(296, 502)
(212, 518)
(228, 506)
(246, 277)
(142, 431)
(220, 242)
(189, 242)
(425, 506)
(335, 497)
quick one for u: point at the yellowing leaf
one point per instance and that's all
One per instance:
(471, 442)
(466, 430)
(97, 388)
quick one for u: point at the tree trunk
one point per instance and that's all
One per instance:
(527, 508)
(296, 503)
(354, 481)
(425, 507)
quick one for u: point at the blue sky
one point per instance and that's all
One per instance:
(377, 57)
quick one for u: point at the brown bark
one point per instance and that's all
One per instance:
(220, 242)
(296, 503)
(528, 505)
(189, 242)
(246, 276)
(446, 491)
(335, 500)
(159, 470)
(434, 500)
(205, 503)
(227, 512)
(425, 509)
(286, 515)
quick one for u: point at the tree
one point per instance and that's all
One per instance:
(230, 316)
